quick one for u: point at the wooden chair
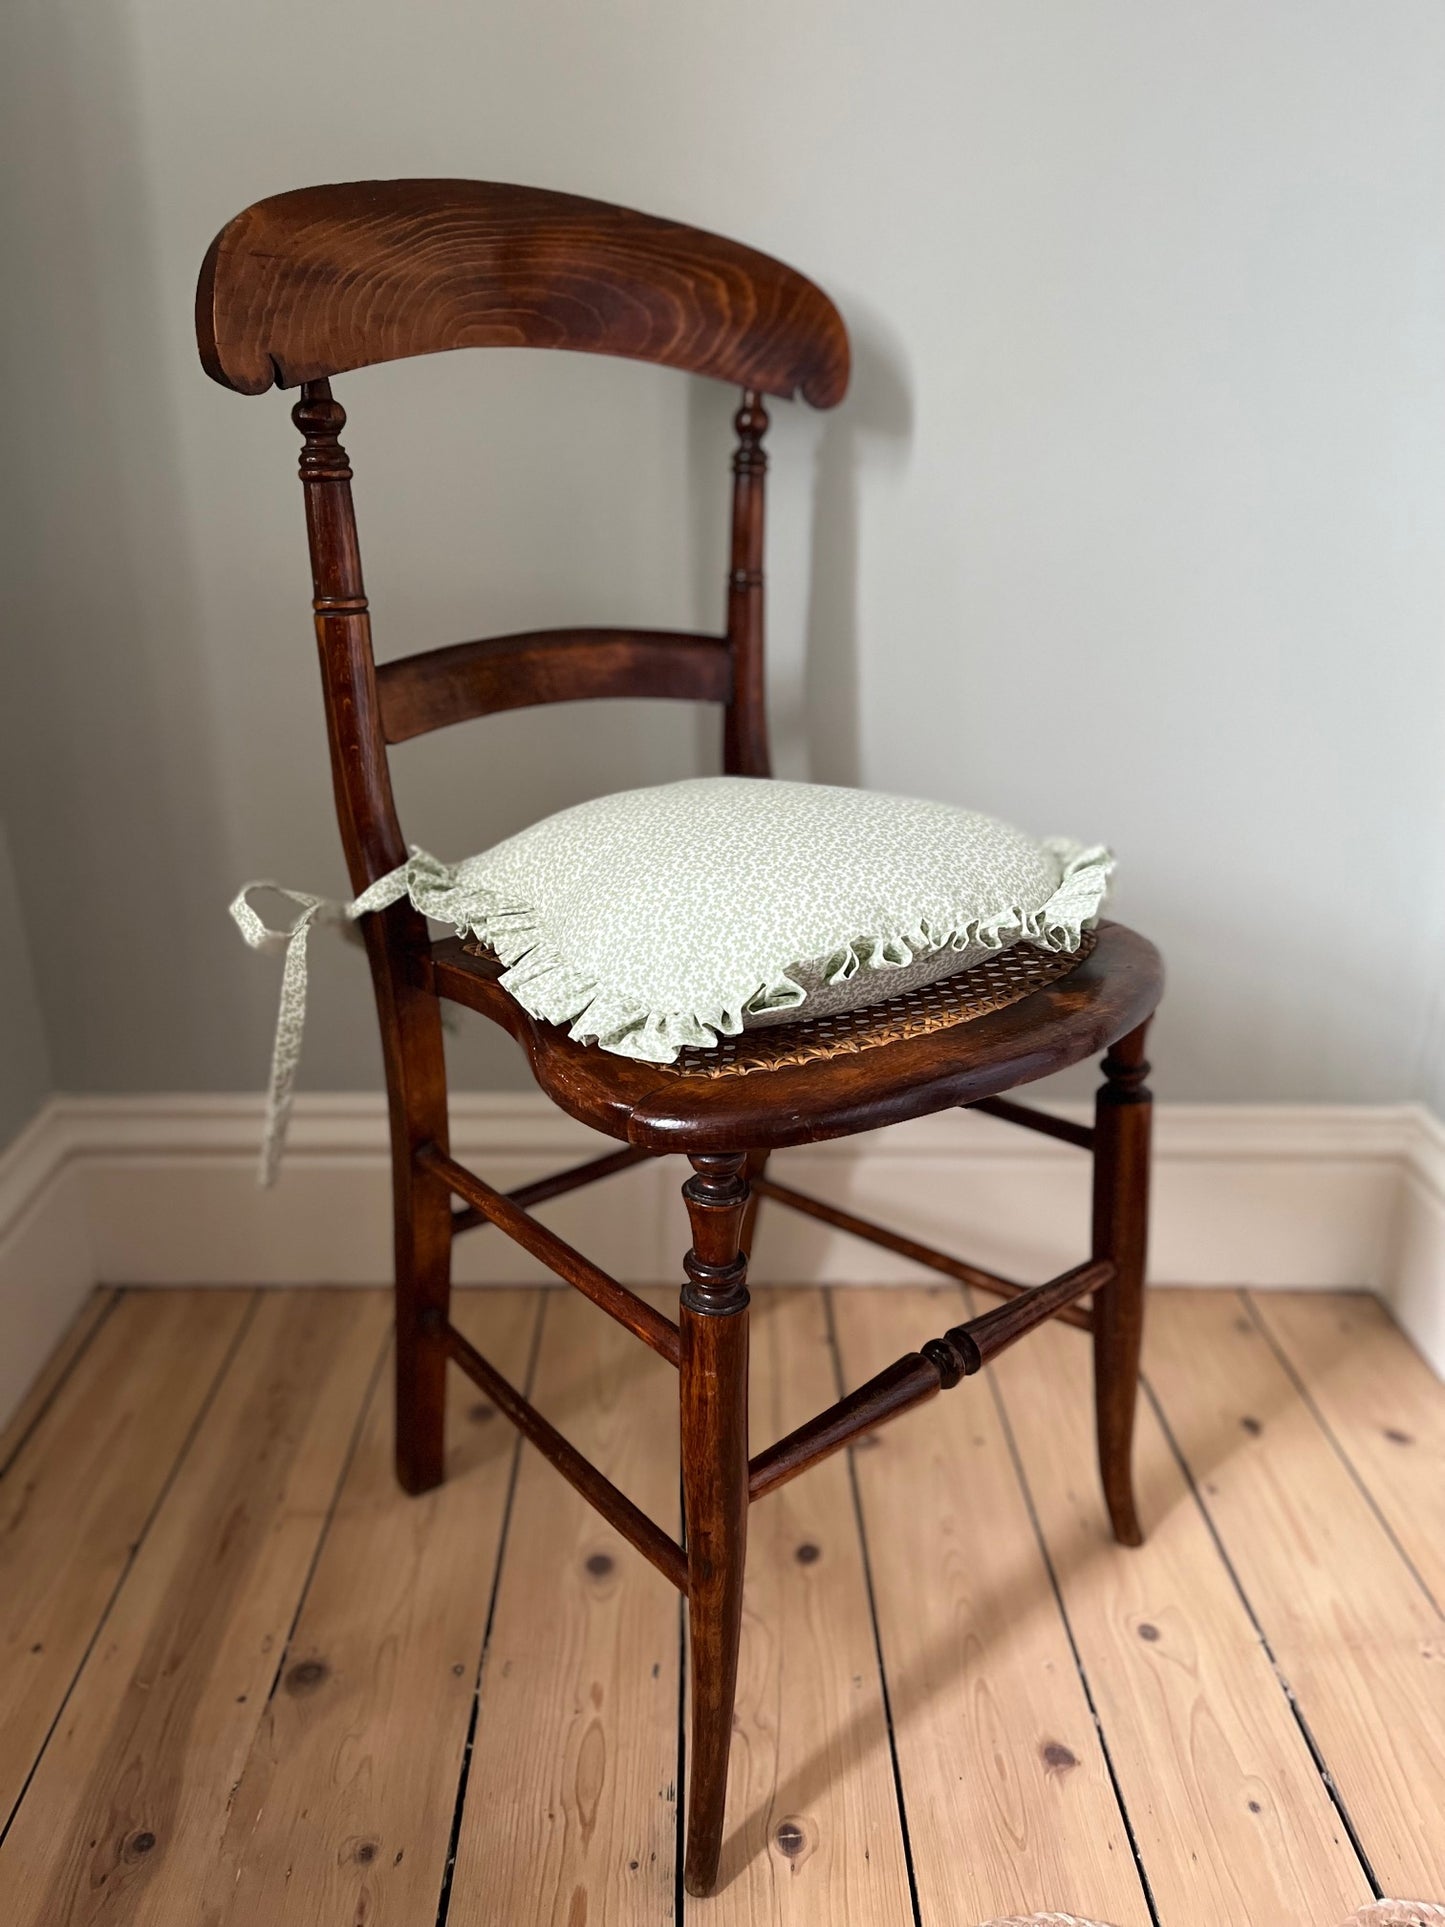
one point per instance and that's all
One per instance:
(310, 284)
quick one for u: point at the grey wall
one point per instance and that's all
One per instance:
(24, 1057)
(1131, 528)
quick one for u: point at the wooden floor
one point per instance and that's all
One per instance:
(244, 1680)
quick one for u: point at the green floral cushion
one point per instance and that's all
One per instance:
(660, 918)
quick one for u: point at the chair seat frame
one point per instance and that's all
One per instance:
(311, 284)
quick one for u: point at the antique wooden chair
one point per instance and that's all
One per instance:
(314, 283)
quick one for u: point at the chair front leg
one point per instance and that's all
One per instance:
(713, 1323)
(1122, 1115)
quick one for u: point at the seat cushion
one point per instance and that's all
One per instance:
(662, 918)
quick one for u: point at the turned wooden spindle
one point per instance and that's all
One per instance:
(1122, 1120)
(370, 830)
(918, 1376)
(966, 1349)
(716, 1196)
(745, 732)
(713, 1328)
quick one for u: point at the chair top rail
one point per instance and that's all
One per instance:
(320, 280)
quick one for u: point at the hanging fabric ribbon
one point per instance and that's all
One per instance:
(291, 1019)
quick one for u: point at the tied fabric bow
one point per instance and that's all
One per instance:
(432, 887)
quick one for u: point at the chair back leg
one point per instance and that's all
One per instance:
(1123, 1111)
(713, 1326)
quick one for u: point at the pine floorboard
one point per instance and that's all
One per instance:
(244, 1679)
(1356, 1638)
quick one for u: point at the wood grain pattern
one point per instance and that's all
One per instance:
(571, 1807)
(1009, 1804)
(271, 1801)
(469, 679)
(1382, 1403)
(1234, 1823)
(322, 279)
(76, 1500)
(72, 1342)
(128, 1805)
(343, 1810)
(813, 1831)
(1362, 1653)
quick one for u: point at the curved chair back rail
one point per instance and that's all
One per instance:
(320, 280)
(452, 685)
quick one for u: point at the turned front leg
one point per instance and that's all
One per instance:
(713, 1325)
(1123, 1112)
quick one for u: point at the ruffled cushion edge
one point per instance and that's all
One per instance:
(551, 987)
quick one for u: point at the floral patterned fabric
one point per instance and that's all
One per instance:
(659, 918)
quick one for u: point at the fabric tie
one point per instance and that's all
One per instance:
(291, 1019)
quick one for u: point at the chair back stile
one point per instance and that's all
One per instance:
(366, 810)
(745, 730)
(397, 939)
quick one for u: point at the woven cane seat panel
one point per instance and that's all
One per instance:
(991, 985)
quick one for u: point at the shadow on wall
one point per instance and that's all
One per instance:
(878, 409)
(815, 483)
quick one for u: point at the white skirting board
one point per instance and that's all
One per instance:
(162, 1191)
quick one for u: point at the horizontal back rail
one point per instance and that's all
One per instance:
(452, 685)
(313, 282)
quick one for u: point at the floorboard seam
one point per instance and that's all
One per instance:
(444, 1898)
(996, 1391)
(861, 1530)
(352, 1446)
(202, 1414)
(117, 1293)
(1321, 1765)
(1308, 1401)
